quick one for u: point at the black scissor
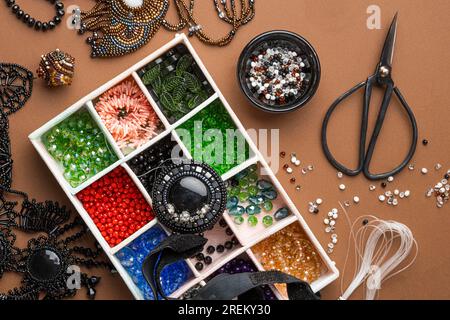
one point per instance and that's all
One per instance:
(382, 78)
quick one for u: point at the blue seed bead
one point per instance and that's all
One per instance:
(264, 185)
(232, 202)
(281, 214)
(270, 194)
(252, 209)
(257, 200)
(237, 211)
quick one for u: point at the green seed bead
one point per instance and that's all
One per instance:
(239, 220)
(267, 206)
(243, 196)
(252, 190)
(267, 221)
(252, 221)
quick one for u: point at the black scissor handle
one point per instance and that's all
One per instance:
(415, 134)
(366, 158)
(326, 149)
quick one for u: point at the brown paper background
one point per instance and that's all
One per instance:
(348, 53)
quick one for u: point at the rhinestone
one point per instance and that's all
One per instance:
(298, 163)
(395, 202)
(356, 199)
(293, 159)
(382, 197)
(411, 167)
(304, 171)
(347, 204)
(438, 166)
(335, 216)
(342, 187)
(334, 236)
(327, 229)
(298, 188)
(390, 179)
(310, 167)
(319, 201)
(396, 192)
(340, 175)
(289, 170)
(334, 240)
(424, 170)
(388, 193)
(402, 195)
(334, 210)
(372, 187)
(330, 250)
(407, 193)
(330, 245)
(326, 221)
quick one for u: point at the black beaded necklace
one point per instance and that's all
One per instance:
(32, 22)
(45, 262)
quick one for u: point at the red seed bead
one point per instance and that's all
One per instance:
(116, 206)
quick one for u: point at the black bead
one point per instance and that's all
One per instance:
(208, 260)
(26, 17)
(383, 184)
(228, 245)
(51, 25)
(93, 281)
(19, 14)
(38, 25)
(235, 241)
(210, 250)
(222, 223)
(200, 257)
(229, 232)
(9, 3)
(199, 266)
(425, 142)
(31, 22)
(365, 222)
(57, 20)
(15, 8)
(45, 26)
(220, 248)
(59, 5)
(447, 176)
(60, 13)
(91, 293)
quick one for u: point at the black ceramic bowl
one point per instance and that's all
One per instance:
(293, 42)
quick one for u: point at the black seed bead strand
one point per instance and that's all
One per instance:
(36, 24)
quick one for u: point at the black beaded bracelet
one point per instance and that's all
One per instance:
(32, 22)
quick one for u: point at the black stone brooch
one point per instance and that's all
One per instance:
(189, 197)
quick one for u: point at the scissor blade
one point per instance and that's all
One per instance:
(388, 50)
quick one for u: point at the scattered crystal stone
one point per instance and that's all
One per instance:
(298, 188)
(346, 203)
(390, 179)
(319, 201)
(342, 187)
(340, 175)
(289, 170)
(252, 221)
(356, 199)
(407, 193)
(382, 197)
(298, 163)
(424, 170)
(372, 187)
(438, 166)
(411, 167)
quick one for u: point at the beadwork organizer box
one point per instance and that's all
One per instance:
(247, 236)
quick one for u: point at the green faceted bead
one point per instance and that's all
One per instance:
(252, 221)
(244, 183)
(234, 191)
(252, 190)
(239, 220)
(268, 206)
(267, 221)
(243, 196)
(256, 200)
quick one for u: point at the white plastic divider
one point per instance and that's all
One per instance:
(255, 157)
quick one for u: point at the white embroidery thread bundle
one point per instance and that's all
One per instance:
(385, 245)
